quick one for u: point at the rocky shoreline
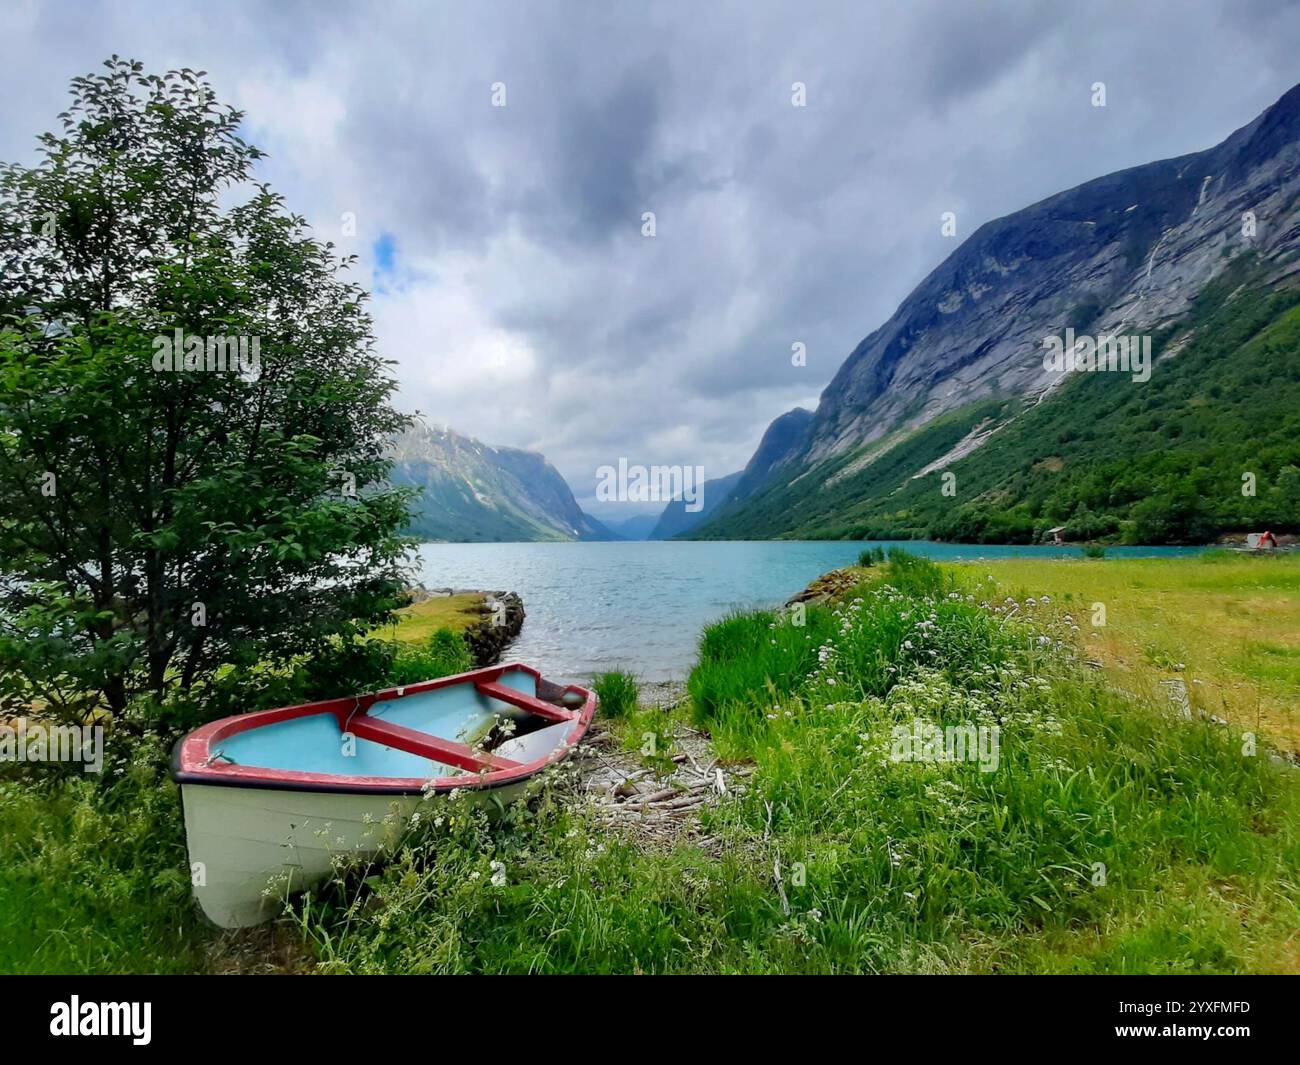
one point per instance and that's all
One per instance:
(828, 587)
(503, 618)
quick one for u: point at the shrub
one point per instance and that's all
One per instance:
(338, 669)
(450, 652)
(445, 653)
(344, 669)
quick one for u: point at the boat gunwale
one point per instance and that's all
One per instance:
(193, 751)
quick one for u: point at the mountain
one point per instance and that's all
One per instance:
(1168, 250)
(637, 527)
(472, 491)
(676, 519)
(783, 439)
(594, 529)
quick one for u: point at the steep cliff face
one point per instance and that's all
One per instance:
(1123, 254)
(472, 491)
(783, 441)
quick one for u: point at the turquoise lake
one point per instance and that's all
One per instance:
(640, 606)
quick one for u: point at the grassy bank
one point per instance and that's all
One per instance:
(418, 622)
(1111, 836)
(1085, 828)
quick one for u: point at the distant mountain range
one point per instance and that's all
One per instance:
(676, 519)
(475, 492)
(472, 491)
(1198, 254)
(638, 527)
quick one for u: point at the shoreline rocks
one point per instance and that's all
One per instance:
(503, 618)
(828, 587)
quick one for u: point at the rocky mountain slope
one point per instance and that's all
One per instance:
(1209, 446)
(472, 491)
(783, 438)
(1126, 254)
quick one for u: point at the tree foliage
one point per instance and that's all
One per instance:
(160, 526)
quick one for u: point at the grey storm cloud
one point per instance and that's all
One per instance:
(521, 303)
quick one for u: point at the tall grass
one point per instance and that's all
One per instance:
(911, 574)
(872, 556)
(93, 873)
(751, 660)
(616, 693)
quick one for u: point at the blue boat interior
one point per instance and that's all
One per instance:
(315, 743)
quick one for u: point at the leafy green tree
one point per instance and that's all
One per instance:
(1288, 492)
(164, 519)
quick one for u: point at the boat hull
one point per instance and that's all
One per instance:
(269, 811)
(250, 848)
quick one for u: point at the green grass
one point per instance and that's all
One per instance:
(418, 622)
(871, 556)
(1231, 620)
(750, 661)
(93, 875)
(617, 693)
(1111, 836)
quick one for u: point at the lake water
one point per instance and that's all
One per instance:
(641, 606)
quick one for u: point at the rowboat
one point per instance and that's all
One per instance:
(273, 798)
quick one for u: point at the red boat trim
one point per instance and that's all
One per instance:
(195, 757)
(525, 702)
(413, 741)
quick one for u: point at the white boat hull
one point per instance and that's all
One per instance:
(276, 800)
(249, 848)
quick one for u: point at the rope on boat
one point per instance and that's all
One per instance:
(356, 705)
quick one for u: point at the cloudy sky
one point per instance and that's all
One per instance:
(513, 284)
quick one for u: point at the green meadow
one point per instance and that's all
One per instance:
(1227, 625)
